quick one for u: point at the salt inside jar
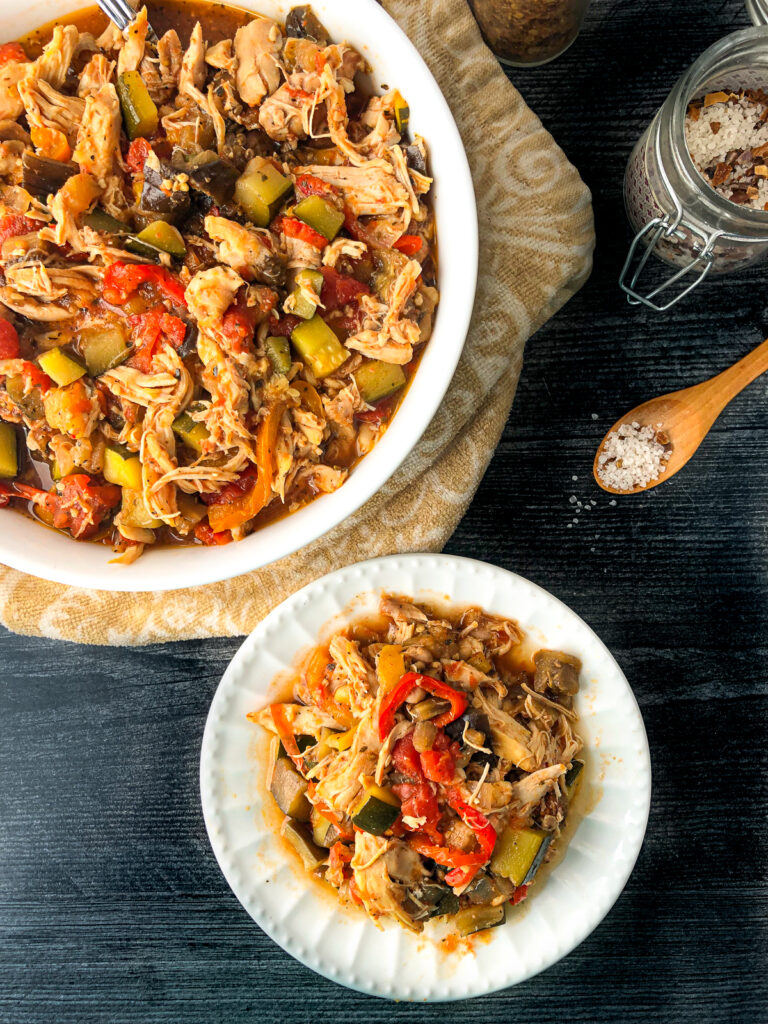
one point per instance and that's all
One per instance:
(676, 213)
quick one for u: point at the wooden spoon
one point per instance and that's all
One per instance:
(686, 416)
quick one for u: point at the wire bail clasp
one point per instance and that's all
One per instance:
(661, 228)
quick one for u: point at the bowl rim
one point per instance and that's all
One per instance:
(58, 558)
(344, 584)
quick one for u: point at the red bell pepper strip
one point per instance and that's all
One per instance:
(464, 865)
(408, 245)
(285, 732)
(409, 682)
(122, 279)
(292, 227)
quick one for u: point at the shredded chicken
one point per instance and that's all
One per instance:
(257, 49)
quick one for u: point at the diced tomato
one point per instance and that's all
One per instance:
(80, 505)
(405, 758)
(240, 320)
(378, 413)
(519, 894)
(297, 94)
(122, 279)
(35, 377)
(235, 490)
(138, 151)
(152, 329)
(206, 536)
(409, 245)
(281, 327)
(9, 341)
(294, 228)
(14, 224)
(340, 855)
(12, 52)
(438, 764)
(418, 801)
(339, 289)
(310, 185)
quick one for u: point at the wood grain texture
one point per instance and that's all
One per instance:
(112, 908)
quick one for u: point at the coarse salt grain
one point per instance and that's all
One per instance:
(632, 457)
(722, 135)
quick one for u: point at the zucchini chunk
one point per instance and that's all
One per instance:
(290, 790)
(299, 303)
(9, 461)
(190, 432)
(163, 236)
(300, 839)
(324, 832)
(519, 853)
(402, 114)
(122, 467)
(318, 346)
(260, 191)
(279, 354)
(478, 919)
(30, 403)
(376, 380)
(100, 220)
(134, 511)
(377, 811)
(321, 215)
(61, 367)
(573, 778)
(139, 111)
(103, 348)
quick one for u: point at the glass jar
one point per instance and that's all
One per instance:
(526, 33)
(758, 11)
(677, 215)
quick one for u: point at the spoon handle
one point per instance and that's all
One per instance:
(730, 382)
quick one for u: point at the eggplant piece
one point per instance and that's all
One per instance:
(324, 832)
(482, 891)
(557, 672)
(303, 23)
(290, 790)
(312, 856)
(440, 900)
(189, 345)
(43, 177)
(473, 719)
(155, 201)
(215, 179)
(415, 158)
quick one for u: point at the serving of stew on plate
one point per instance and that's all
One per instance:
(424, 767)
(217, 271)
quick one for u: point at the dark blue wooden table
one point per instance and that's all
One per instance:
(112, 908)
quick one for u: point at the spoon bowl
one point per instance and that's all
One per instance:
(686, 416)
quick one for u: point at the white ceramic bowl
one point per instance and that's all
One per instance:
(566, 902)
(28, 546)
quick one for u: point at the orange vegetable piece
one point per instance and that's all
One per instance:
(51, 143)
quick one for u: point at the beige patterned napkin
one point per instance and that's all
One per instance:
(536, 240)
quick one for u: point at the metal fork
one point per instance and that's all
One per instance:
(123, 13)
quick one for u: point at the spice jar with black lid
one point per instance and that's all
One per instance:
(526, 33)
(675, 211)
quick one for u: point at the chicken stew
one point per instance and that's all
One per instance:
(424, 768)
(217, 271)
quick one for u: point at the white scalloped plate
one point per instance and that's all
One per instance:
(569, 899)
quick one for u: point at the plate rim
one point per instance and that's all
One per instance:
(618, 880)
